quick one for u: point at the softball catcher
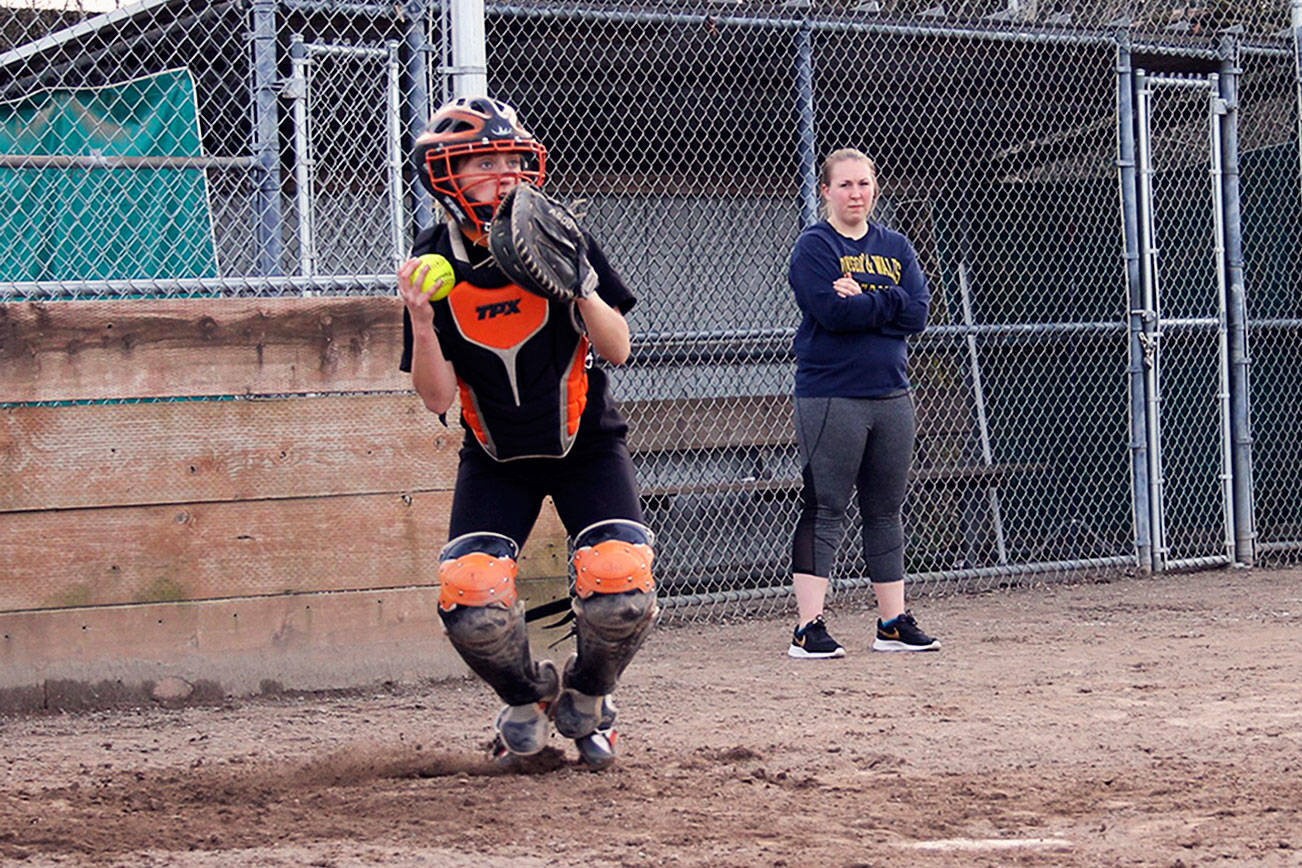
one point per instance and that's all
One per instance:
(534, 299)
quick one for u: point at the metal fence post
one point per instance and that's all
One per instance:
(805, 119)
(296, 90)
(469, 54)
(416, 98)
(1296, 19)
(266, 138)
(1126, 166)
(1150, 308)
(1236, 309)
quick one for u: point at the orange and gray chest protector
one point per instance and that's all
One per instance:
(520, 360)
(521, 366)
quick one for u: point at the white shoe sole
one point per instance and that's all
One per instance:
(890, 645)
(799, 653)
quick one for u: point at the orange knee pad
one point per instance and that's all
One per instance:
(478, 569)
(612, 557)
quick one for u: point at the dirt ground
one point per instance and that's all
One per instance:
(1132, 722)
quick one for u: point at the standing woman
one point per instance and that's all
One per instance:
(539, 421)
(861, 293)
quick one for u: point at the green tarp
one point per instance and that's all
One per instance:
(70, 224)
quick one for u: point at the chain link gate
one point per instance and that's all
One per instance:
(1185, 352)
(1272, 246)
(349, 183)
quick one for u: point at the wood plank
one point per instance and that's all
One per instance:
(218, 648)
(94, 557)
(140, 348)
(193, 451)
(180, 653)
(180, 452)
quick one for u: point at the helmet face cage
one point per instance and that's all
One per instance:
(468, 127)
(449, 186)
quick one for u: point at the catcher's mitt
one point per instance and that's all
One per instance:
(538, 244)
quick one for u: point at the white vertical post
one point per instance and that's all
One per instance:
(397, 209)
(297, 91)
(469, 67)
(979, 395)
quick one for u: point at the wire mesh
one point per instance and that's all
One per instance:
(1272, 251)
(688, 134)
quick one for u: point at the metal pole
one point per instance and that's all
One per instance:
(416, 104)
(983, 427)
(805, 120)
(1215, 111)
(296, 90)
(266, 138)
(1126, 165)
(605, 14)
(1150, 305)
(469, 68)
(1296, 15)
(397, 204)
(1245, 533)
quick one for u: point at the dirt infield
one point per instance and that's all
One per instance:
(1144, 722)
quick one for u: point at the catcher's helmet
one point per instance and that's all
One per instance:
(470, 126)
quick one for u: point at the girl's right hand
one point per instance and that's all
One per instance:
(411, 275)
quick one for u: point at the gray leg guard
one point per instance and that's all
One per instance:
(493, 642)
(610, 629)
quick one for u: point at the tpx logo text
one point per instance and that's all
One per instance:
(498, 308)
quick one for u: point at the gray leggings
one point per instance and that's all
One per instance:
(846, 443)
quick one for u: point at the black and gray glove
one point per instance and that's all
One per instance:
(537, 243)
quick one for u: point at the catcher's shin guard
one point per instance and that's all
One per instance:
(614, 611)
(485, 619)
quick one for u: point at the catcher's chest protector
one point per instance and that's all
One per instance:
(521, 364)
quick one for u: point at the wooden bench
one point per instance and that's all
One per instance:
(766, 421)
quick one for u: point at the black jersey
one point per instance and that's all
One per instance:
(522, 361)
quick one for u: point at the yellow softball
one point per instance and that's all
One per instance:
(439, 269)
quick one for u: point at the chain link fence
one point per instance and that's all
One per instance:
(1076, 388)
(1272, 262)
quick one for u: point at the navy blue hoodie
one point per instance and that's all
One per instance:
(854, 347)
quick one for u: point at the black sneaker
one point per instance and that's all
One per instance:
(813, 642)
(903, 634)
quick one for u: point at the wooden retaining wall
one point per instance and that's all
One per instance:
(272, 524)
